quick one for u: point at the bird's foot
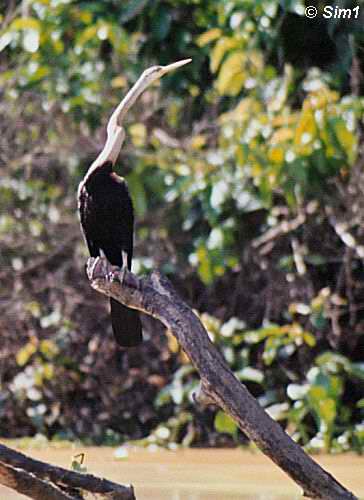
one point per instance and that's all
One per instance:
(124, 266)
(116, 274)
(122, 274)
(97, 268)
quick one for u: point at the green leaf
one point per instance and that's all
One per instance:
(77, 467)
(177, 391)
(250, 374)
(138, 194)
(357, 370)
(332, 362)
(90, 33)
(224, 423)
(41, 73)
(205, 267)
(161, 23)
(133, 9)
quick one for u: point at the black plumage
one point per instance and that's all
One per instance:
(107, 221)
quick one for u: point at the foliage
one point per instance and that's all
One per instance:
(246, 172)
(313, 405)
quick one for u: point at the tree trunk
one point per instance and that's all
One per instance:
(155, 296)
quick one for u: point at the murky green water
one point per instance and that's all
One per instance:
(206, 474)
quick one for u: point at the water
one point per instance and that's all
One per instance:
(204, 474)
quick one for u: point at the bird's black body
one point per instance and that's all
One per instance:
(107, 221)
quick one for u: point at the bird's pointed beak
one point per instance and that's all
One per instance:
(175, 65)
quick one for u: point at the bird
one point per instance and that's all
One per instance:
(106, 209)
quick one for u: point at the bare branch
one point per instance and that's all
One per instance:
(156, 297)
(57, 475)
(283, 228)
(29, 485)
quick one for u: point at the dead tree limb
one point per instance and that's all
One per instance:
(43, 481)
(155, 296)
(29, 485)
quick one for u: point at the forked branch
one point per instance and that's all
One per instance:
(155, 296)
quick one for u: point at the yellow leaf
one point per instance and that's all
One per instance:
(48, 348)
(285, 120)
(87, 34)
(25, 23)
(324, 136)
(24, 354)
(276, 155)
(255, 62)
(222, 46)
(138, 134)
(346, 138)
(281, 135)
(244, 106)
(194, 90)
(118, 82)
(172, 342)
(48, 371)
(85, 16)
(317, 392)
(58, 46)
(219, 270)
(243, 111)
(256, 170)
(306, 128)
(208, 36)
(231, 75)
(320, 99)
(328, 410)
(204, 268)
(183, 358)
(198, 141)
(34, 308)
(309, 339)
(235, 85)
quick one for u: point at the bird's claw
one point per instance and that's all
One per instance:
(116, 274)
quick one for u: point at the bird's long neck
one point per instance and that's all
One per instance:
(130, 98)
(115, 132)
(110, 152)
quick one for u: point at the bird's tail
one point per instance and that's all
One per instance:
(126, 325)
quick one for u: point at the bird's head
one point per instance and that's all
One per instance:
(154, 73)
(149, 76)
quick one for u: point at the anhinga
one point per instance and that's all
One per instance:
(106, 209)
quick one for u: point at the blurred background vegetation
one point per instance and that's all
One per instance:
(246, 170)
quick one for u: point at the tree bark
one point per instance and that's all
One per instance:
(43, 481)
(155, 296)
(29, 485)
